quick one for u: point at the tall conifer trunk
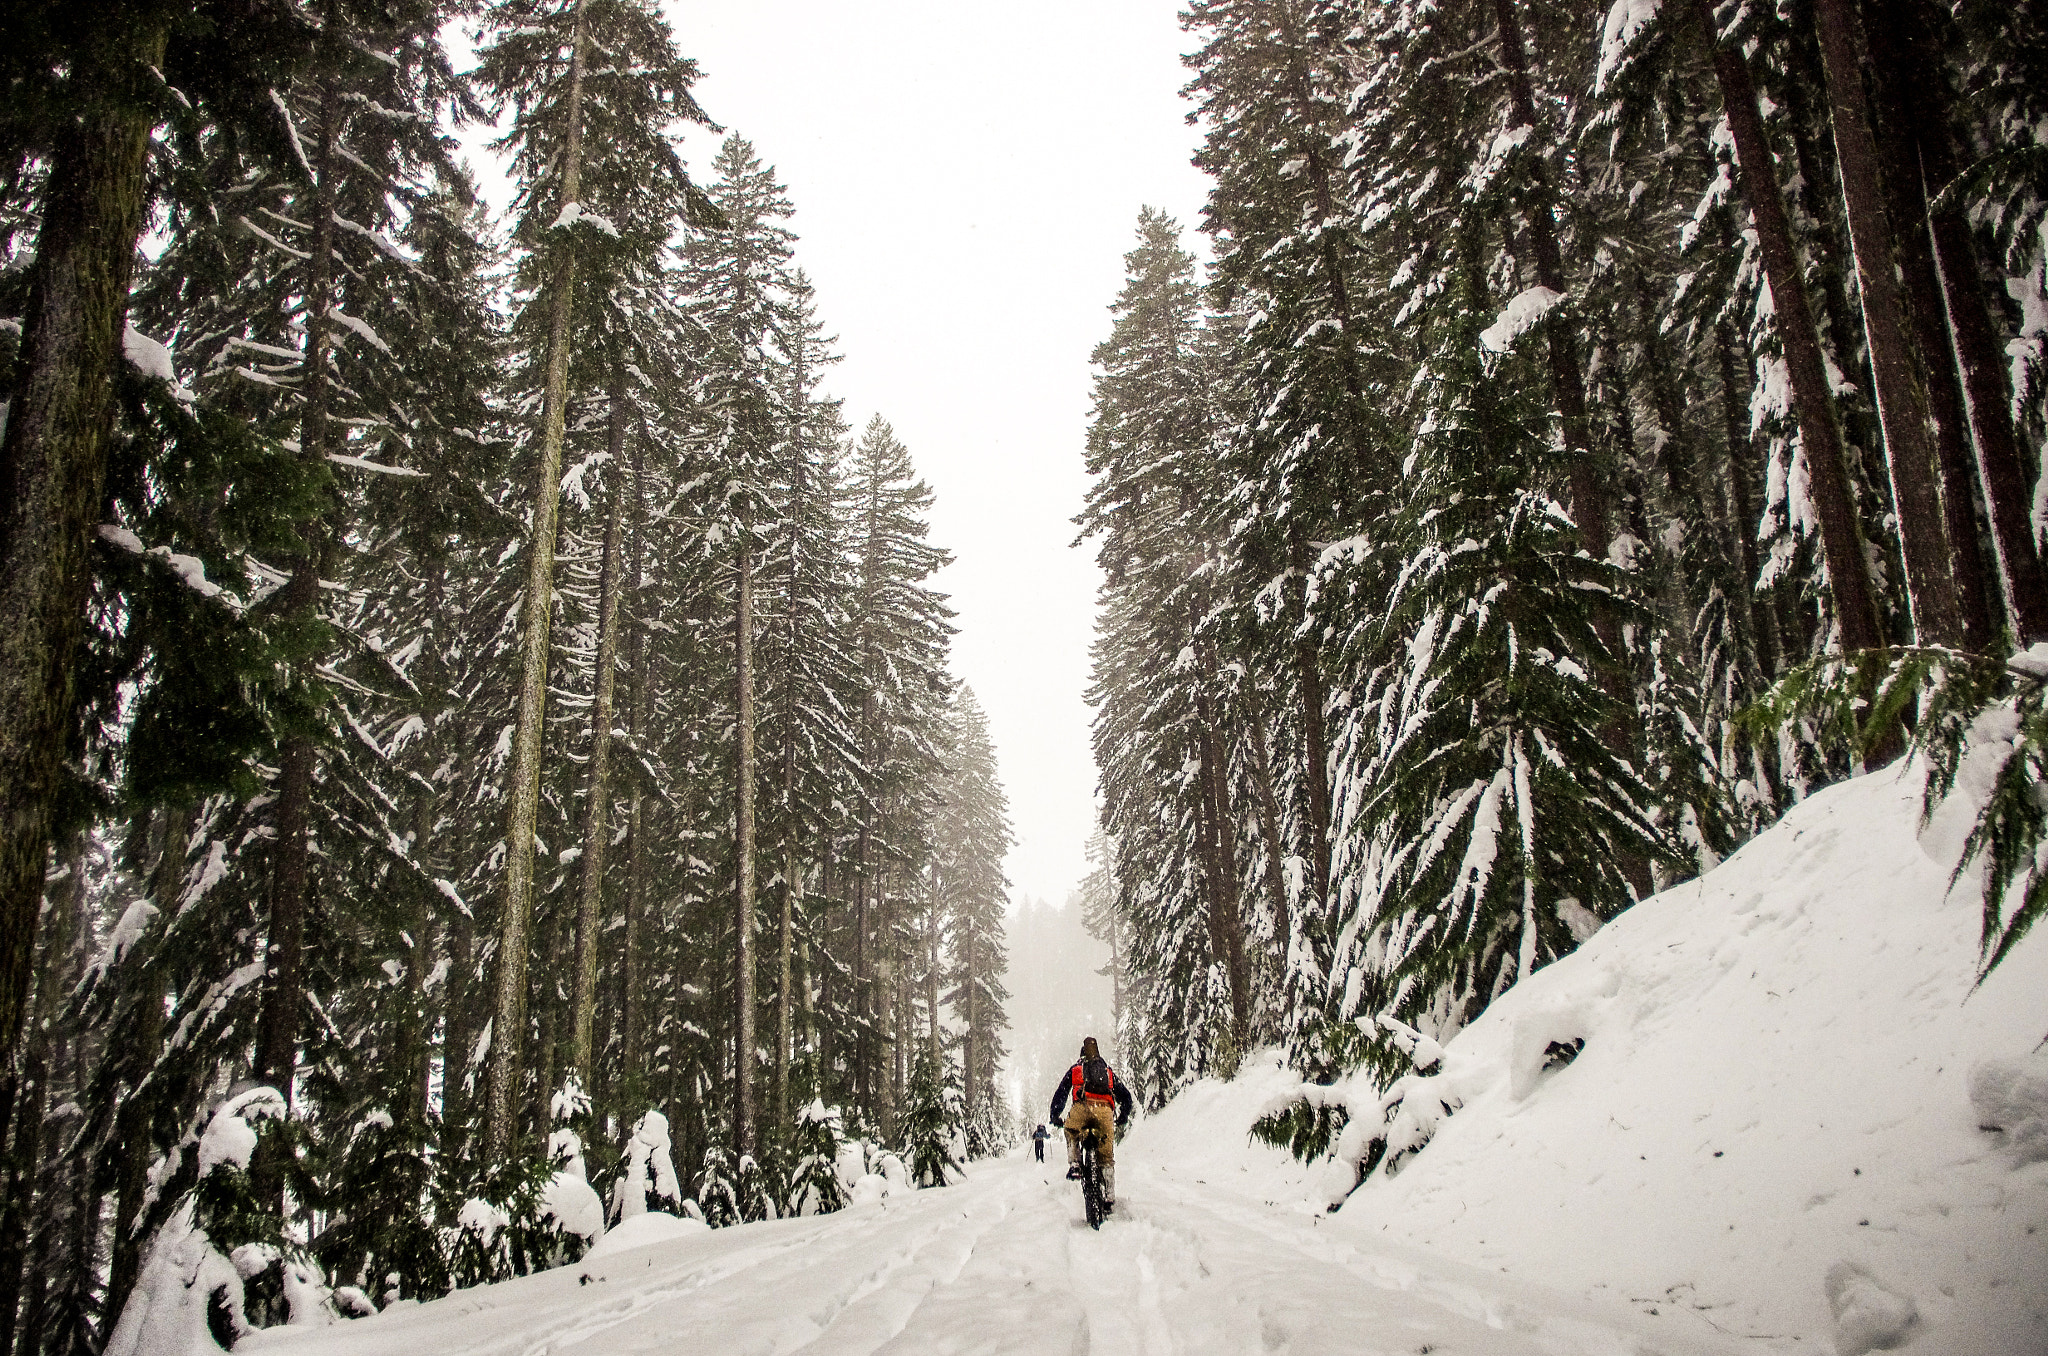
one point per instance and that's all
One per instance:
(522, 817)
(1979, 350)
(1308, 670)
(277, 1030)
(1820, 437)
(1901, 400)
(53, 467)
(631, 1001)
(1226, 917)
(1589, 495)
(744, 1138)
(597, 804)
(143, 998)
(1269, 829)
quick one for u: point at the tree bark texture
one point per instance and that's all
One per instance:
(522, 818)
(1906, 204)
(1308, 669)
(631, 1001)
(1901, 400)
(53, 465)
(1820, 437)
(1979, 348)
(598, 800)
(743, 1127)
(1589, 495)
(1740, 452)
(291, 858)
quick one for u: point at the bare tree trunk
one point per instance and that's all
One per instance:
(1905, 198)
(53, 469)
(631, 1000)
(277, 1037)
(744, 1138)
(1269, 829)
(597, 804)
(141, 1043)
(1742, 503)
(1567, 378)
(1227, 918)
(30, 1142)
(1308, 670)
(1834, 504)
(1901, 401)
(1978, 348)
(522, 817)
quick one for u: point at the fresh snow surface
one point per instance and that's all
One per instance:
(1003, 1263)
(644, 1230)
(1771, 1142)
(1774, 1127)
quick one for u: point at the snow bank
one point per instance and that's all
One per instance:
(1792, 1120)
(644, 1230)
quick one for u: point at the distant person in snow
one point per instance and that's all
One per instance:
(1038, 1138)
(1095, 1089)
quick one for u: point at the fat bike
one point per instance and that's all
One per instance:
(1091, 1179)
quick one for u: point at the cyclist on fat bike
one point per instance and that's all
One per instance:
(1095, 1089)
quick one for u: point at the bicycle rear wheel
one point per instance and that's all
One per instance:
(1091, 1183)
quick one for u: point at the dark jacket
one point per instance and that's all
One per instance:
(1059, 1094)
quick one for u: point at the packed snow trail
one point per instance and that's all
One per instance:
(1004, 1263)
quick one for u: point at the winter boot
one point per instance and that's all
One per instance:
(1108, 1187)
(1073, 1157)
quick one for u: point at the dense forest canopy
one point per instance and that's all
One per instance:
(479, 731)
(1596, 428)
(478, 755)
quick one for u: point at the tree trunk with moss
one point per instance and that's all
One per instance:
(597, 802)
(53, 469)
(522, 816)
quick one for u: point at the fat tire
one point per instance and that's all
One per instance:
(1091, 1183)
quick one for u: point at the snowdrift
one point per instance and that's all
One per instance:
(1776, 1126)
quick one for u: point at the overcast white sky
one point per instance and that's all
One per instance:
(967, 178)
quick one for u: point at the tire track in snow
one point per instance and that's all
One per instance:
(1002, 1265)
(1519, 1317)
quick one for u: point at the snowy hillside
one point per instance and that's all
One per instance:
(1772, 1116)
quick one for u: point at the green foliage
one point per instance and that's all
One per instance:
(814, 1185)
(1981, 724)
(1306, 1128)
(497, 1227)
(718, 1194)
(928, 1125)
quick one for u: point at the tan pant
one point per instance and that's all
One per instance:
(1101, 1115)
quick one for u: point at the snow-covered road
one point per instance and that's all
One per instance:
(1004, 1263)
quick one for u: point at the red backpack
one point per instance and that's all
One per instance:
(1094, 1081)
